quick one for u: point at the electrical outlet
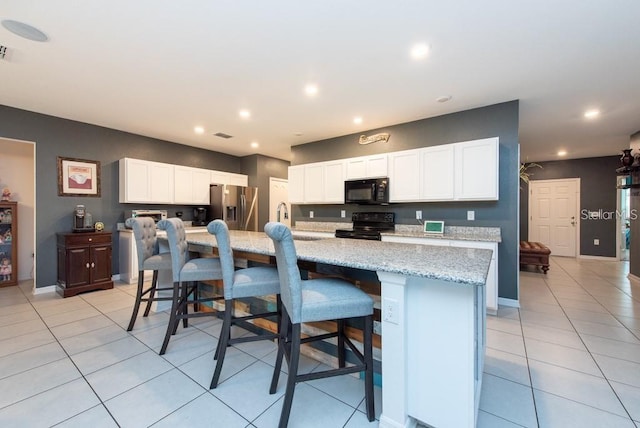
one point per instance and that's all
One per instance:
(310, 214)
(596, 242)
(471, 215)
(419, 215)
(390, 311)
(343, 213)
(377, 327)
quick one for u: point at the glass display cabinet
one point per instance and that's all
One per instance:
(8, 243)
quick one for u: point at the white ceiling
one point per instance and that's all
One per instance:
(159, 68)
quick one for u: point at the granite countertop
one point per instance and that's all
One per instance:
(458, 265)
(456, 233)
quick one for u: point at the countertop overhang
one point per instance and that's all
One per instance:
(453, 264)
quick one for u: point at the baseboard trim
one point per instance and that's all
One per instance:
(115, 277)
(44, 290)
(634, 279)
(512, 303)
(603, 258)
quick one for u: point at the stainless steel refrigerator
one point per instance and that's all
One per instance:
(236, 205)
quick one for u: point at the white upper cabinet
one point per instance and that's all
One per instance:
(317, 183)
(314, 183)
(334, 173)
(436, 173)
(191, 185)
(404, 176)
(145, 182)
(367, 167)
(238, 180)
(296, 184)
(466, 171)
(476, 170)
(221, 177)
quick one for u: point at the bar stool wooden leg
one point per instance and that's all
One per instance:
(292, 378)
(136, 305)
(368, 374)
(173, 317)
(341, 333)
(152, 292)
(282, 343)
(223, 342)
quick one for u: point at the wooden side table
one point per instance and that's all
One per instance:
(84, 262)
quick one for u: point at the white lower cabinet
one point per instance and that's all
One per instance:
(492, 275)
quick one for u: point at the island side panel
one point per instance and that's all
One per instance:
(394, 352)
(445, 322)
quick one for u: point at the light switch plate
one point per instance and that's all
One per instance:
(471, 215)
(343, 213)
(310, 214)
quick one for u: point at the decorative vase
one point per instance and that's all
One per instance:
(626, 159)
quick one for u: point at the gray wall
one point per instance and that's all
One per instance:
(259, 168)
(499, 120)
(60, 137)
(597, 191)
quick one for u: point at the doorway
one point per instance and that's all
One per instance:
(553, 214)
(17, 172)
(279, 192)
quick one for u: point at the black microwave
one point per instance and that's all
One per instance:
(370, 191)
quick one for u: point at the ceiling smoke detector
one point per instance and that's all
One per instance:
(223, 135)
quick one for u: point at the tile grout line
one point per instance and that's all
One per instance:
(585, 345)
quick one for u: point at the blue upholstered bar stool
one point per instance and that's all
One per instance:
(312, 300)
(248, 282)
(186, 271)
(149, 258)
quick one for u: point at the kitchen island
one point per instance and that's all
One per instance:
(433, 319)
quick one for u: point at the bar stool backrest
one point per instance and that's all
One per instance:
(219, 229)
(178, 245)
(288, 271)
(144, 232)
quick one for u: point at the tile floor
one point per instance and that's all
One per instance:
(569, 357)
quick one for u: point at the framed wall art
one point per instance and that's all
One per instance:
(78, 177)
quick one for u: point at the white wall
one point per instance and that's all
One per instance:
(17, 173)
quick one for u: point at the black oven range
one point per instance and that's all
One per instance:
(369, 225)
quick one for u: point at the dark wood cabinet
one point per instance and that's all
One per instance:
(8, 243)
(84, 262)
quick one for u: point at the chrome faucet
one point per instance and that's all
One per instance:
(286, 211)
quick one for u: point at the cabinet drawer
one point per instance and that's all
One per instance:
(83, 239)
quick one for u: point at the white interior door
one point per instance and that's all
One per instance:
(279, 192)
(553, 214)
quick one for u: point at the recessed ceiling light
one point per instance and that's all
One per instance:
(420, 51)
(198, 130)
(591, 114)
(357, 120)
(311, 89)
(297, 134)
(245, 114)
(254, 145)
(24, 30)
(444, 98)
(562, 152)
